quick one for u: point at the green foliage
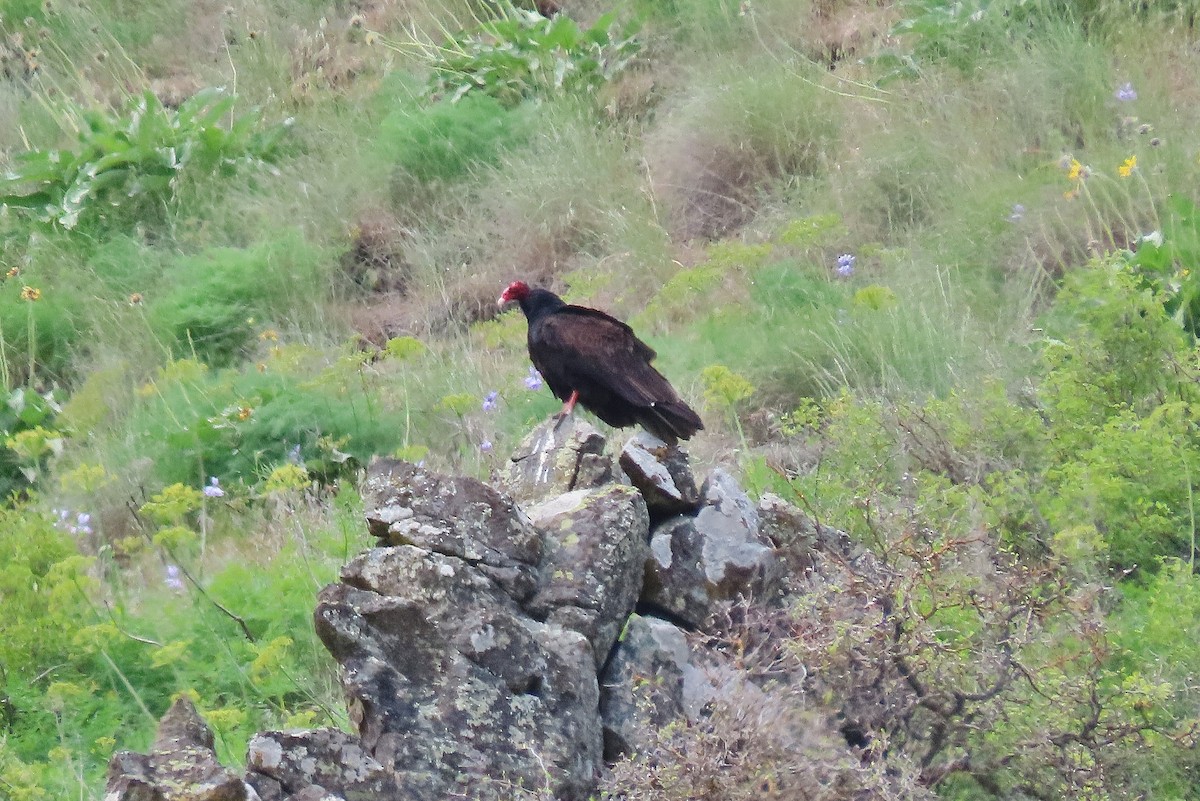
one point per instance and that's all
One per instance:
(521, 54)
(723, 387)
(445, 142)
(215, 304)
(964, 34)
(130, 167)
(1169, 261)
(814, 231)
(1123, 408)
(85, 669)
(403, 348)
(725, 260)
(238, 427)
(26, 444)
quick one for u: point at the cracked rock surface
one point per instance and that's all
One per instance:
(480, 640)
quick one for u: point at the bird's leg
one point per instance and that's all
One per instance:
(568, 408)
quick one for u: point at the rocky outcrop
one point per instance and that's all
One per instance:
(662, 474)
(451, 684)
(557, 457)
(489, 643)
(650, 682)
(596, 546)
(281, 765)
(181, 766)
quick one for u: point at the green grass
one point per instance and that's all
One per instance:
(230, 322)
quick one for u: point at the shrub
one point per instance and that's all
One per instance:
(238, 427)
(130, 168)
(215, 303)
(521, 54)
(41, 319)
(444, 142)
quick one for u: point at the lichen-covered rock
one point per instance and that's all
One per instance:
(806, 546)
(674, 581)
(596, 547)
(556, 457)
(662, 474)
(643, 687)
(323, 763)
(180, 767)
(738, 560)
(452, 685)
(453, 515)
(470, 641)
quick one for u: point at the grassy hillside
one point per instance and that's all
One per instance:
(930, 270)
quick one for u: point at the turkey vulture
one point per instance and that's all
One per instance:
(588, 357)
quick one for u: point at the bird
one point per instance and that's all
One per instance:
(591, 358)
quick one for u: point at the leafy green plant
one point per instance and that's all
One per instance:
(521, 54)
(239, 428)
(964, 32)
(28, 439)
(1169, 261)
(217, 302)
(444, 142)
(130, 167)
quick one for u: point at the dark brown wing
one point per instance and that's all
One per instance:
(587, 348)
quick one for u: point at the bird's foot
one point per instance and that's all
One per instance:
(560, 417)
(568, 409)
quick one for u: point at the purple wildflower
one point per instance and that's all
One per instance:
(489, 401)
(486, 446)
(83, 524)
(1126, 93)
(1018, 213)
(845, 265)
(213, 490)
(173, 579)
(533, 381)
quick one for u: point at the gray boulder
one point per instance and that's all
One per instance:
(674, 580)
(317, 763)
(181, 765)
(643, 687)
(720, 554)
(452, 687)
(558, 456)
(738, 560)
(596, 547)
(662, 474)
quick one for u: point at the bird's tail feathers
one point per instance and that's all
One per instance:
(672, 421)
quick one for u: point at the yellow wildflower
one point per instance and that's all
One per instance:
(244, 413)
(1127, 167)
(1074, 170)
(30, 293)
(13, 272)
(270, 335)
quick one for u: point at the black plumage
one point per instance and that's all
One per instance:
(589, 357)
